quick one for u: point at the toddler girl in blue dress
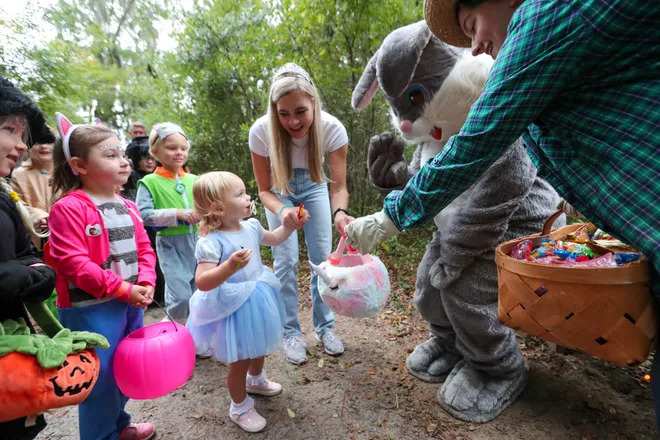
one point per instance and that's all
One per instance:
(235, 313)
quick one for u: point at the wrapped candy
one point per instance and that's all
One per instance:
(522, 250)
(545, 249)
(602, 235)
(626, 257)
(580, 235)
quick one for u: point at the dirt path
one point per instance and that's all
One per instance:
(367, 394)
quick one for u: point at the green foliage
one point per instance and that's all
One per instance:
(229, 50)
(215, 83)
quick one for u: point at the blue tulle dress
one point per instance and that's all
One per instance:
(241, 318)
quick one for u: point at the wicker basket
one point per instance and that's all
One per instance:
(605, 312)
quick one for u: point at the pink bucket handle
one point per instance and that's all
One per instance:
(336, 256)
(350, 249)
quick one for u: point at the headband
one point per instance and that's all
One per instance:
(292, 70)
(168, 128)
(65, 127)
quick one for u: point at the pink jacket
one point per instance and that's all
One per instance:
(77, 249)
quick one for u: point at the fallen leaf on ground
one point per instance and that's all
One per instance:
(290, 412)
(321, 363)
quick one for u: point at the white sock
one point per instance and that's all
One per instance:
(256, 380)
(241, 408)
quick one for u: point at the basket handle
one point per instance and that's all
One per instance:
(167, 314)
(547, 226)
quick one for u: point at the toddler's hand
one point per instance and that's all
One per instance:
(188, 216)
(138, 296)
(290, 220)
(240, 258)
(304, 218)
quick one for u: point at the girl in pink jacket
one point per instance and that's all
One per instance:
(104, 264)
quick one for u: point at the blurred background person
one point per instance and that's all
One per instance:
(32, 183)
(137, 129)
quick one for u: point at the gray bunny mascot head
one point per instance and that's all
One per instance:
(430, 87)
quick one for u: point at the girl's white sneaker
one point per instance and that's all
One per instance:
(250, 421)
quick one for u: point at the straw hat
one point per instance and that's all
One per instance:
(440, 16)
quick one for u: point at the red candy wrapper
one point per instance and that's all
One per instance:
(522, 251)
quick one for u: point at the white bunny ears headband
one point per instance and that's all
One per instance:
(66, 128)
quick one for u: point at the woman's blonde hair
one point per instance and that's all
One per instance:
(280, 140)
(209, 194)
(82, 139)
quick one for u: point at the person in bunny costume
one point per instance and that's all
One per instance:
(430, 87)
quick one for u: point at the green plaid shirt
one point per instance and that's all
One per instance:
(580, 79)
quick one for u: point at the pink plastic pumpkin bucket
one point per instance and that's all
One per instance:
(353, 285)
(154, 360)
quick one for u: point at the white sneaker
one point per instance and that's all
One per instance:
(265, 388)
(333, 346)
(295, 350)
(250, 421)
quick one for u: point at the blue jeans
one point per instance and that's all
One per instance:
(101, 416)
(318, 237)
(176, 256)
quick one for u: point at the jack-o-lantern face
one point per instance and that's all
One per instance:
(75, 375)
(30, 389)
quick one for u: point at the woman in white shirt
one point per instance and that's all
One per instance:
(288, 145)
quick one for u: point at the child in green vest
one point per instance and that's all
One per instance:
(166, 204)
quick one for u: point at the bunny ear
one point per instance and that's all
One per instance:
(63, 124)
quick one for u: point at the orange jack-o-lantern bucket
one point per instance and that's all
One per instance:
(28, 388)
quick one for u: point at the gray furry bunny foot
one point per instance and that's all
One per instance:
(474, 396)
(430, 362)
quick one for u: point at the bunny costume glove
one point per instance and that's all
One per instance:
(366, 233)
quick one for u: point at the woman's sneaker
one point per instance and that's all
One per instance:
(265, 388)
(295, 350)
(250, 421)
(333, 346)
(138, 431)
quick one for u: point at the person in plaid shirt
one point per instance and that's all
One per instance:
(580, 80)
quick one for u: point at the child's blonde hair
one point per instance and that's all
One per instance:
(280, 139)
(81, 140)
(209, 193)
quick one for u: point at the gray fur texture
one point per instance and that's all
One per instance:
(456, 291)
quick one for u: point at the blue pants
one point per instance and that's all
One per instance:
(318, 237)
(101, 416)
(176, 256)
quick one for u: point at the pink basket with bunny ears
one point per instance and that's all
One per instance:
(353, 285)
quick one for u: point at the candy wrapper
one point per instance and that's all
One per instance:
(607, 260)
(602, 235)
(624, 258)
(581, 248)
(575, 248)
(546, 249)
(522, 250)
(580, 235)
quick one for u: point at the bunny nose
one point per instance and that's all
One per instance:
(406, 126)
